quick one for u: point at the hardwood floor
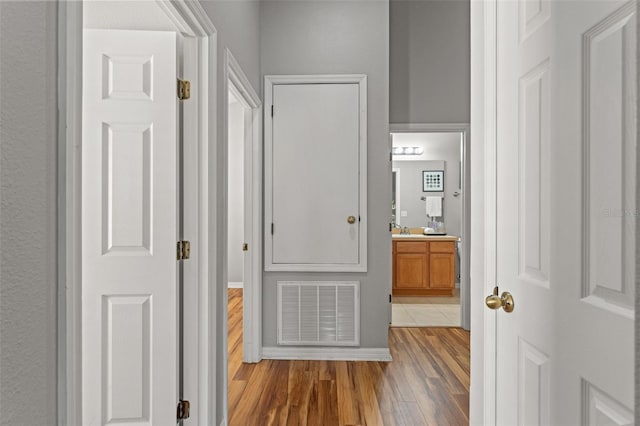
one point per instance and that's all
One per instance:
(426, 384)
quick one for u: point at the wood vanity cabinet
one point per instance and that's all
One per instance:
(423, 268)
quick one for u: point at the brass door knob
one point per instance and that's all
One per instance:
(351, 220)
(505, 301)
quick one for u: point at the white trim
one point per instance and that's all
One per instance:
(465, 230)
(484, 179)
(428, 127)
(190, 19)
(326, 354)
(224, 421)
(235, 79)
(269, 82)
(235, 284)
(69, 201)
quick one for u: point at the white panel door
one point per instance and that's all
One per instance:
(316, 135)
(129, 228)
(566, 181)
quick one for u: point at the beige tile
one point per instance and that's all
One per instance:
(430, 316)
(447, 309)
(400, 318)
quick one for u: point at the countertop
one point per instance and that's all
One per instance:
(422, 237)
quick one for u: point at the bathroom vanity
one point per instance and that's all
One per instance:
(423, 265)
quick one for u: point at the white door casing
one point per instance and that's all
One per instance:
(316, 173)
(129, 228)
(565, 199)
(239, 84)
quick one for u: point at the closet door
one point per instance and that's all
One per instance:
(316, 174)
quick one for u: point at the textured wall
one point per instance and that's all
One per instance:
(28, 213)
(341, 37)
(430, 61)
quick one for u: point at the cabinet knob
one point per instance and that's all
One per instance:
(351, 220)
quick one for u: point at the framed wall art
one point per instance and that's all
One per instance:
(432, 180)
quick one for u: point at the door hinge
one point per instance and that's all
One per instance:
(389, 298)
(184, 250)
(184, 89)
(272, 110)
(273, 227)
(245, 247)
(183, 410)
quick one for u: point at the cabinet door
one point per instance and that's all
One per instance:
(411, 270)
(442, 270)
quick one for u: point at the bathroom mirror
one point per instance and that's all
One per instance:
(415, 154)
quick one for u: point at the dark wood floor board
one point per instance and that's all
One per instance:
(427, 383)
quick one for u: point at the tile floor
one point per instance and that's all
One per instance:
(426, 311)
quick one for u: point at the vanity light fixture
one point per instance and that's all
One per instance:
(407, 150)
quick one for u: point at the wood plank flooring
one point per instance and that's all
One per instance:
(426, 384)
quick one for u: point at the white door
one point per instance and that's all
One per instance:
(129, 228)
(316, 134)
(566, 181)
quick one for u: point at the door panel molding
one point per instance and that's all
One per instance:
(608, 227)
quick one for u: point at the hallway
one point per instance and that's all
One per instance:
(426, 384)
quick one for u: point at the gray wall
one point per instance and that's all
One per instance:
(28, 134)
(238, 24)
(430, 61)
(236, 192)
(341, 37)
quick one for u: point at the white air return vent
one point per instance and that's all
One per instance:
(323, 313)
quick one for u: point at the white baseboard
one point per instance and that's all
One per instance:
(234, 284)
(326, 354)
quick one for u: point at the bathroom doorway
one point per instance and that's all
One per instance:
(430, 225)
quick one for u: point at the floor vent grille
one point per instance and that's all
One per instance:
(323, 313)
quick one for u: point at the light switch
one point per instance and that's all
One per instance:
(403, 213)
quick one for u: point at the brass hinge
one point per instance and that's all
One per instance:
(184, 89)
(245, 247)
(183, 410)
(184, 250)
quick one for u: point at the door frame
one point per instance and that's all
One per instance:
(482, 395)
(235, 79)
(464, 129)
(190, 19)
